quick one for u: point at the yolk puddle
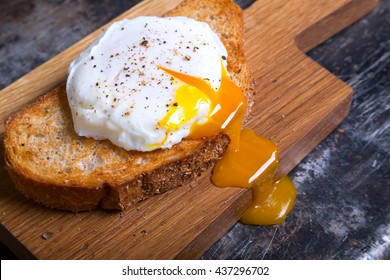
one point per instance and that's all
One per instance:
(249, 161)
(272, 202)
(254, 165)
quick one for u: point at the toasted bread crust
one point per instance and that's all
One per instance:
(51, 164)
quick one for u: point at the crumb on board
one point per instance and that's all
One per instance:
(46, 235)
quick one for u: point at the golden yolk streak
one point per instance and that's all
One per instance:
(227, 106)
(158, 144)
(249, 161)
(187, 102)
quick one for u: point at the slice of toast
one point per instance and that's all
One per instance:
(51, 164)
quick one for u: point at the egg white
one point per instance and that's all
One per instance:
(117, 91)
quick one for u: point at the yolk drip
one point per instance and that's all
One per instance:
(272, 202)
(254, 165)
(255, 161)
(227, 106)
(250, 160)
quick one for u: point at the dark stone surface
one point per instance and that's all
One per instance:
(342, 209)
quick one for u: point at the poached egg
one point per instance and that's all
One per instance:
(140, 83)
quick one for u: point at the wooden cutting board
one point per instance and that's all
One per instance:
(297, 105)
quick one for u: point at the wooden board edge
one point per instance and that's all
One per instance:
(290, 159)
(339, 19)
(14, 245)
(215, 230)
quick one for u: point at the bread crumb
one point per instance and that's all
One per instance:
(46, 235)
(354, 242)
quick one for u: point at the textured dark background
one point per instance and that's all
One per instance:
(342, 209)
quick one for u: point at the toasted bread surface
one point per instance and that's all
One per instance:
(50, 163)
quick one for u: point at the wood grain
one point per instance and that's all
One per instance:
(297, 105)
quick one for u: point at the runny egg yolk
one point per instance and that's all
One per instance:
(250, 160)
